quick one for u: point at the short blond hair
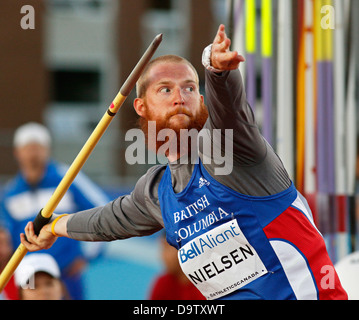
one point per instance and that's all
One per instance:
(143, 82)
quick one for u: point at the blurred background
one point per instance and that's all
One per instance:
(301, 78)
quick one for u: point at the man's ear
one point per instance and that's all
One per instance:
(139, 106)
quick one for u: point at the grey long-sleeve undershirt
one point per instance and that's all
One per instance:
(257, 170)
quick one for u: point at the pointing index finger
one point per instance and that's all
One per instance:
(221, 35)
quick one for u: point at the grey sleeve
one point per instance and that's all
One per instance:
(251, 165)
(133, 215)
(228, 109)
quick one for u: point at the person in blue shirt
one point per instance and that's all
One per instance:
(28, 192)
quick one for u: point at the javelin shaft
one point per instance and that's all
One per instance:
(45, 214)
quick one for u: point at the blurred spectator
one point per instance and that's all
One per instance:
(348, 272)
(10, 291)
(173, 284)
(38, 277)
(29, 191)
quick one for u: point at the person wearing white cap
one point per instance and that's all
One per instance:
(28, 192)
(32, 143)
(38, 277)
(32, 132)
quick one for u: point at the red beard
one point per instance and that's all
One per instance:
(196, 122)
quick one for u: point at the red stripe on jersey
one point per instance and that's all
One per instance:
(294, 227)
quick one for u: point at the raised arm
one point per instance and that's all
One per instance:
(227, 103)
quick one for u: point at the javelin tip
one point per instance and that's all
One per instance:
(137, 71)
(158, 38)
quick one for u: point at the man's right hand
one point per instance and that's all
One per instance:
(32, 242)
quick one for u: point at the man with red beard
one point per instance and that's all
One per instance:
(177, 90)
(247, 234)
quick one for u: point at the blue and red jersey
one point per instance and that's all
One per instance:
(234, 246)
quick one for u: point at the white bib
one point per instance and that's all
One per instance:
(220, 261)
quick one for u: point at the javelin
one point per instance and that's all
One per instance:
(45, 214)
